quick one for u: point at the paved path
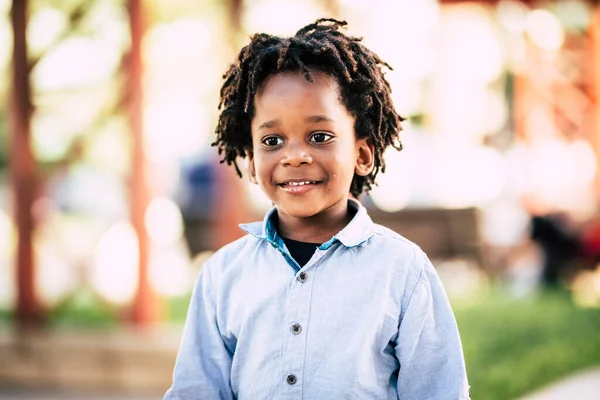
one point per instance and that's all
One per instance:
(584, 385)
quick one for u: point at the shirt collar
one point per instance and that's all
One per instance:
(358, 230)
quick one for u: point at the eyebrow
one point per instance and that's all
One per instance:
(313, 118)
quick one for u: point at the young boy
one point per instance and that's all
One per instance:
(317, 301)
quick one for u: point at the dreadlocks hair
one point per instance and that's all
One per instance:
(320, 46)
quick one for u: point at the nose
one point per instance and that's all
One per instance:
(296, 155)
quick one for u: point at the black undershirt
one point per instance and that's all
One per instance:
(300, 251)
(303, 251)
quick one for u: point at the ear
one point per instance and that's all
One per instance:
(251, 167)
(365, 159)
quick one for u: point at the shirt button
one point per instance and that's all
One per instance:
(302, 277)
(291, 379)
(296, 329)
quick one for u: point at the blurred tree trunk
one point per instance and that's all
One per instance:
(22, 169)
(145, 308)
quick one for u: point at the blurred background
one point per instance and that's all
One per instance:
(111, 195)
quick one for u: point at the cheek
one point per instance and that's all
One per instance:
(263, 167)
(343, 165)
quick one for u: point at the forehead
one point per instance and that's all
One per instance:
(287, 88)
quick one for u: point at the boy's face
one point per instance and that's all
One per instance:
(304, 149)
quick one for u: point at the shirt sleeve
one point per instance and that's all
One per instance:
(203, 364)
(428, 347)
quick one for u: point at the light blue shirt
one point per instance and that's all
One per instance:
(366, 318)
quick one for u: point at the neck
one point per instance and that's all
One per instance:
(318, 228)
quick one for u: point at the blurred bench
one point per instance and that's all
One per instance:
(441, 233)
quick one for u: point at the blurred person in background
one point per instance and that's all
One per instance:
(559, 246)
(567, 245)
(316, 301)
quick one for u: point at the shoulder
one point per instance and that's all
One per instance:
(404, 258)
(410, 261)
(238, 248)
(394, 244)
(400, 259)
(234, 252)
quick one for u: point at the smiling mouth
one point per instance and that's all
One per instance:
(298, 187)
(298, 183)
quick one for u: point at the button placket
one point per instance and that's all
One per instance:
(293, 348)
(297, 317)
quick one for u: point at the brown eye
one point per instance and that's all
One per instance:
(320, 137)
(272, 141)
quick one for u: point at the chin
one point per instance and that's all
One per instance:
(298, 210)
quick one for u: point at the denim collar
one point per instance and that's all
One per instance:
(355, 233)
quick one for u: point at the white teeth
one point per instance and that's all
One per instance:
(299, 183)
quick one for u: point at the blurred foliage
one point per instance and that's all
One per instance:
(515, 346)
(83, 310)
(5, 317)
(177, 308)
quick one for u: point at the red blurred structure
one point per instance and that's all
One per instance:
(22, 168)
(145, 308)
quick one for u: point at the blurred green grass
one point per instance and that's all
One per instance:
(512, 346)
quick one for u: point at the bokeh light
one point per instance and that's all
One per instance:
(106, 150)
(552, 169)
(173, 129)
(469, 45)
(545, 30)
(164, 221)
(583, 162)
(393, 190)
(45, 28)
(460, 184)
(401, 20)
(512, 15)
(174, 71)
(170, 272)
(55, 279)
(76, 62)
(466, 114)
(50, 142)
(505, 223)
(114, 273)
